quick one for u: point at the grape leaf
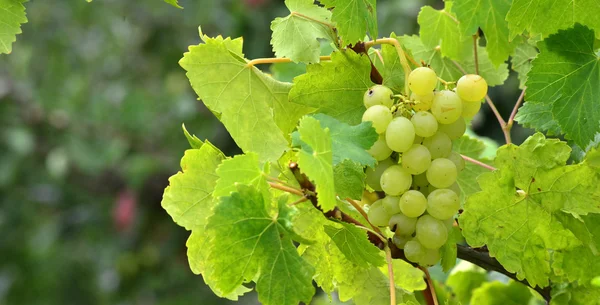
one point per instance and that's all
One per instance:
(473, 148)
(392, 71)
(335, 88)
(575, 295)
(538, 116)
(353, 18)
(249, 242)
(446, 69)
(349, 179)
(317, 163)
(465, 278)
(488, 15)
(521, 61)
(547, 17)
(12, 14)
(174, 3)
(285, 72)
(522, 229)
(355, 245)
(440, 28)
(497, 293)
(192, 139)
(370, 286)
(296, 36)
(406, 276)
(188, 198)
(243, 169)
(565, 77)
(252, 106)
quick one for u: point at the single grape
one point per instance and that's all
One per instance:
(380, 150)
(425, 124)
(377, 214)
(379, 95)
(418, 140)
(422, 102)
(458, 160)
(413, 203)
(395, 180)
(430, 257)
(414, 251)
(470, 109)
(449, 223)
(402, 225)
(400, 134)
(422, 80)
(454, 130)
(442, 204)
(431, 233)
(369, 197)
(440, 145)
(380, 116)
(442, 173)
(420, 180)
(401, 240)
(417, 159)
(471, 87)
(446, 107)
(374, 175)
(391, 204)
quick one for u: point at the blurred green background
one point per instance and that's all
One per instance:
(91, 105)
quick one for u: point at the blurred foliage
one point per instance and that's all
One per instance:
(91, 104)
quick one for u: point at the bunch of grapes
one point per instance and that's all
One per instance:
(416, 168)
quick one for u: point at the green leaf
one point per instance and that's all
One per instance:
(448, 250)
(521, 61)
(248, 242)
(252, 105)
(355, 245)
(337, 87)
(497, 293)
(296, 36)
(192, 139)
(447, 70)
(538, 116)
(489, 15)
(241, 169)
(285, 72)
(406, 276)
(370, 286)
(575, 295)
(353, 18)
(174, 3)
(467, 178)
(465, 278)
(316, 163)
(525, 210)
(564, 77)
(547, 17)
(12, 14)
(349, 179)
(392, 71)
(188, 198)
(440, 28)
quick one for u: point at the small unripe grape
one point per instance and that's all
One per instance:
(440, 145)
(379, 95)
(446, 107)
(455, 188)
(395, 180)
(425, 124)
(380, 150)
(430, 257)
(377, 214)
(380, 116)
(431, 233)
(413, 203)
(416, 160)
(458, 160)
(402, 225)
(420, 180)
(454, 130)
(374, 174)
(442, 173)
(422, 102)
(400, 134)
(414, 251)
(422, 80)
(442, 204)
(401, 240)
(391, 204)
(471, 87)
(470, 109)
(418, 140)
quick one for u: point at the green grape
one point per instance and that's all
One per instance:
(377, 214)
(442, 173)
(401, 240)
(449, 223)
(430, 257)
(374, 175)
(454, 130)
(378, 95)
(400, 134)
(422, 102)
(391, 204)
(422, 80)
(431, 233)
(414, 251)
(420, 180)
(442, 204)
(425, 124)
(413, 203)
(417, 159)
(471, 87)
(395, 180)
(440, 145)
(446, 107)
(458, 160)
(455, 188)
(380, 150)
(380, 116)
(418, 140)
(402, 225)
(470, 109)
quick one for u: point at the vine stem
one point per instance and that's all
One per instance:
(286, 188)
(476, 57)
(430, 287)
(477, 162)
(388, 257)
(274, 60)
(401, 55)
(373, 231)
(329, 25)
(511, 119)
